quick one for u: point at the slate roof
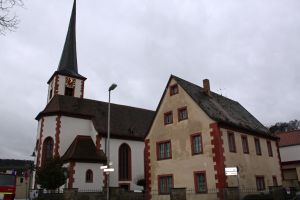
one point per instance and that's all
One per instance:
(289, 138)
(126, 122)
(83, 149)
(222, 109)
(68, 61)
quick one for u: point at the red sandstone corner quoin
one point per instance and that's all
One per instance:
(219, 159)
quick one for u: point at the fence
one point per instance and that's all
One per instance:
(272, 193)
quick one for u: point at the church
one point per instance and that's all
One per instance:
(75, 129)
(192, 138)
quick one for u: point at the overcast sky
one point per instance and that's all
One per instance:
(248, 49)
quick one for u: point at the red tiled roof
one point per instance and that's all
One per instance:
(289, 138)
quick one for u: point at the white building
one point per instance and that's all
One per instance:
(75, 129)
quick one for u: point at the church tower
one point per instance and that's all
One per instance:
(66, 80)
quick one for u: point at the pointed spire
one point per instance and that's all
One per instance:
(68, 60)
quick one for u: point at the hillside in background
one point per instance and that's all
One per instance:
(285, 126)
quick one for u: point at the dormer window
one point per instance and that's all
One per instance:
(173, 89)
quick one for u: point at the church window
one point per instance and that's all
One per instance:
(124, 162)
(89, 176)
(47, 149)
(69, 91)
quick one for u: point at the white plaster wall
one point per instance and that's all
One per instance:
(137, 161)
(290, 153)
(79, 176)
(77, 91)
(93, 133)
(70, 128)
(61, 84)
(49, 127)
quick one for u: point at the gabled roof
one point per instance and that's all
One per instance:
(83, 149)
(221, 109)
(289, 138)
(126, 122)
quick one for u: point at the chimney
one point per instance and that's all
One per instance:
(206, 87)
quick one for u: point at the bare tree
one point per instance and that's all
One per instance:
(8, 20)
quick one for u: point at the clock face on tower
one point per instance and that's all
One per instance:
(70, 82)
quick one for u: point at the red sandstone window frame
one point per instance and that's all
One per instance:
(269, 146)
(231, 142)
(165, 152)
(196, 173)
(275, 183)
(123, 184)
(172, 89)
(179, 111)
(159, 177)
(245, 144)
(129, 163)
(257, 146)
(260, 179)
(192, 137)
(167, 114)
(89, 176)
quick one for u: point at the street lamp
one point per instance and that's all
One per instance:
(112, 87)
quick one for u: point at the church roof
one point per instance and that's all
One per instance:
(83, 149)
(68, 61)
(126, 122)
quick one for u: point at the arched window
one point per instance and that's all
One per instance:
(47, 149)
(124, 162)
(89, 176)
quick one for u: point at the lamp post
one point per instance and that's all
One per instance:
(112, 87)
